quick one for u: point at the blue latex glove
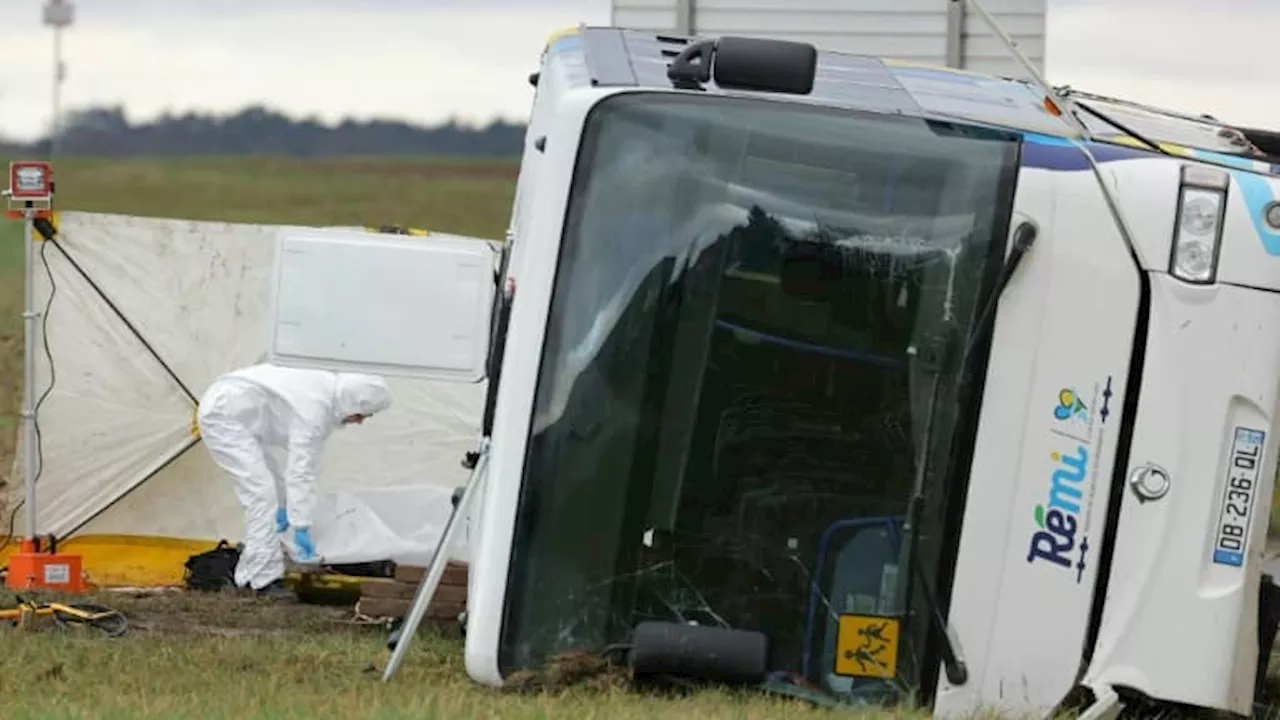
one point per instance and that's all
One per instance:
(302, 538)
(282, 520)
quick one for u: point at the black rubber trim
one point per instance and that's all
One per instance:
(965, 433)
(583, 154)
(1132, 396)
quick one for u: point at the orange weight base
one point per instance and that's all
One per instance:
(31, 570)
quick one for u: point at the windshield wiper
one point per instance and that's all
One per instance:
(1023, 238)
(957, 672)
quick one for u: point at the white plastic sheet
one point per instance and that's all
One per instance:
(403, 524)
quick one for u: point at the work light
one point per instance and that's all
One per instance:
(30, 180)
(1202, 203)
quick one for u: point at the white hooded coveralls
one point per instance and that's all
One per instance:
(246, 414)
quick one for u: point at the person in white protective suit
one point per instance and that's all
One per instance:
(246, 414)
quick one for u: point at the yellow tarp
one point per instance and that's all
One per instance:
(130, 560)
(113, 561)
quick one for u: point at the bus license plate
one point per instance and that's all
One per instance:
(1237, 502)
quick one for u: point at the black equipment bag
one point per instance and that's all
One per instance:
(213, 570)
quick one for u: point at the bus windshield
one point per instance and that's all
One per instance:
(753, 304)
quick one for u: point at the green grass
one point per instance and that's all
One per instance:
(462, 196)
(197, 655)
(200, 656)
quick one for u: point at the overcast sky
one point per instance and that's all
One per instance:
(425, 60)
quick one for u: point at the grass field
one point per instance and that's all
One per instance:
(201, 656)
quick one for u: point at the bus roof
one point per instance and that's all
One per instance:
(620, 57)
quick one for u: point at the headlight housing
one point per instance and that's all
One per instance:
(1197, 238)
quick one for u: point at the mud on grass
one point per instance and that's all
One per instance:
(221, 656)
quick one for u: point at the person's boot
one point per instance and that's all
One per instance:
(276, 590)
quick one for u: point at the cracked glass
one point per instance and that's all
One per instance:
(753, 362)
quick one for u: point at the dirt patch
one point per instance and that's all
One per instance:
(227, 614)
(573, 669)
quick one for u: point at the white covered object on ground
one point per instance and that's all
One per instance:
(147, 312)
(403, 524)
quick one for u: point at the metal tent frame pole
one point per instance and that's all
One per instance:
(400, 640)
(29, 330)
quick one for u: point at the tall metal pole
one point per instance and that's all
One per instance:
(58, 14)
(55, 132)
(29, 371)
(435, 572)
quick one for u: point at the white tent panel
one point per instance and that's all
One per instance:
(420, 439)
(116, 422)
(112, 414)
(197, 291)
(189, 499)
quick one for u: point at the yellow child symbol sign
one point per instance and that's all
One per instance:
(867, 646)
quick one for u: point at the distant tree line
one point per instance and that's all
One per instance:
(107, 132)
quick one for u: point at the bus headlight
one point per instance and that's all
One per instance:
(1202, 203)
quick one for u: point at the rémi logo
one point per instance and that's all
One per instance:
(1064, 519)
(1058, 518)
(1061, 536)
